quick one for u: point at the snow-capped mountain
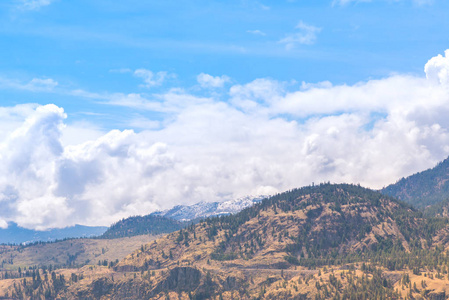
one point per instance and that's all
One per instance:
(208, 209)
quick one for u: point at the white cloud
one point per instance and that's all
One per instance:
(415, 2)
(152, 79)
(143, 123)
(79, 132)
(256, 95)
(306, 35)
(344, 2)
(209, 81)
(34, 4)
(3, 224)
(28, 157)
(257, 32)
(121, 70)
(173, 101)
(263, 138)
(423, 2)
(38, 84)
(437, 69)
(34, 85)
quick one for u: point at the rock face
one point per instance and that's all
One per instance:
(101, 287)
(180, 279)
(437, 296)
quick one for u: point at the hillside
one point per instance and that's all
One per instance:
(15, 234)
(69, 253)
(309, 226)
(424, 188)
(315, 242)
(140, 225)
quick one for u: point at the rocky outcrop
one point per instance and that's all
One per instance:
(180, 279)
(101, 287)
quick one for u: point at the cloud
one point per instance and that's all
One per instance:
(437, 69)
(415, 2)
(255, 4)
(256, 95)
(152, 79)
(173, 101)
(34, 4)
(209, 81)
(34, 85)
(423, 2)
(257, 32)
(306, 35)
(38, 84)
(28, 157)
(263, 137)
(121, 70)
(345, 2)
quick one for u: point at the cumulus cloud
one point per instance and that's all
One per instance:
(263, 139)
(28, 157)
(306, 35)
(437, 69)
(209, 81)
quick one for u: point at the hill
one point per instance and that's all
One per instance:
(424, 188)
(327, 241)
(309, 227)
(69, 253)
(15, 234)
(140, 225)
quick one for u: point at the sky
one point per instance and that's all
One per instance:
(110, 109)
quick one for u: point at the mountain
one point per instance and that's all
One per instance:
(323, 242)
(424, 188)
(203, 210)
(140, 225)
(176, 218)
(15, 234)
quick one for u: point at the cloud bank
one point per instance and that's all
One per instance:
(263, 138)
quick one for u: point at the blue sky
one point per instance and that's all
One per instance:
(79, 44)
(116, 108)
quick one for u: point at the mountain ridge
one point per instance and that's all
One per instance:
(209, 209)
(15, 234)
(424, 188)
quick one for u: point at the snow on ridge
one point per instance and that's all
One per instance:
(236, 205)
(208, 209)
